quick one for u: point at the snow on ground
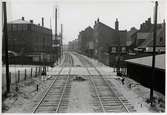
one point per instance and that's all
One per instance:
(80, 98)
(23, 100)
(137, 95)
(79, 71)
(76, 62)
(14, 73)
(93, 61)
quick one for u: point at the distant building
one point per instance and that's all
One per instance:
(85, 41)
(144, 39)
(104, 37)
(29, 39)
(73, 45)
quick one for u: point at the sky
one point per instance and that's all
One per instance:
(76, 15)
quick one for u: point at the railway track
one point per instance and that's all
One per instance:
(55, 99)
(68, 61)
(107, 99)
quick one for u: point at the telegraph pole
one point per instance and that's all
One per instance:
(5, 37)
(61, 44)
(57, 50)
(154, 52)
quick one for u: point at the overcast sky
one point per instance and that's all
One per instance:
(76, 15)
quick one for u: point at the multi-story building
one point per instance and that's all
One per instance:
(85, 41)
(29, 39)
(108, 42)
(142, 39)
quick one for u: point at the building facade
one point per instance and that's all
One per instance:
(29, 39)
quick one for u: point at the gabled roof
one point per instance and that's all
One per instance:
(147, 61)
(19, 21)
(103, 25)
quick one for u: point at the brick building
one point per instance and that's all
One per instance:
(109, 42)
(143, 40)
(29, 39)
(85, 41)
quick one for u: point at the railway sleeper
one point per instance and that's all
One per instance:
(114, 111)
(112, 104)
(98, 110)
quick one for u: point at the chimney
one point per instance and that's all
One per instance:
(97, 19)
(116, 24)
(149, 20)
(31, 21)
(42, 22)
(56, 22)
(164, 28)
(62, 30)
(22, 18)
(141, 26)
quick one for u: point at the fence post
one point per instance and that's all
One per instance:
(18, 76)
(36, 72)
(25, 75)
(31, 72)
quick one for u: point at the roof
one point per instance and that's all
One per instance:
(19, 21)
(104, 25)
(147, 61)
(149, 41)
(144, 35)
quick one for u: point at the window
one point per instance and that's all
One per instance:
(25, 27)
(113, 49)
(161, 39)
(14, 27)
(29, 27)
(123, 49)
(19, 27)
(9, 27)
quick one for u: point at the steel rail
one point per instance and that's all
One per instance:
(89, 63)
(111, 89)
(47, 92)
(63, 92)
(101, 103)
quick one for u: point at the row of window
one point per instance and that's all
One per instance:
(27, 27)
(116, 49)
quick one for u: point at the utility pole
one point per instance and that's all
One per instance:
(56, 36)
(154, 51)
(43, 48)
(61, 44)
(5, 37)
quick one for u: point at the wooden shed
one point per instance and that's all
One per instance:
(140, 69)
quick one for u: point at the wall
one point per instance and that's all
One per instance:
(143, 74)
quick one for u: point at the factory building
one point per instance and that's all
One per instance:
(28, 39)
